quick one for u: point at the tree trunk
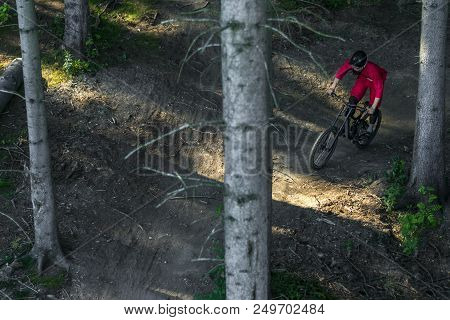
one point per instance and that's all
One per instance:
(247, 159)
(10, 81)
(428, 166)
(46, 245)
(76, 29)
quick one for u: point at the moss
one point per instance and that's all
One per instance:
(52, 282)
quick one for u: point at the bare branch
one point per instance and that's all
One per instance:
(17, 224)
(190, 20)
(8, 25)
(5, 295)
(294, 20)
(13, 93)
(184, 126)
(129, 217)
(315, 4)
(213, 232)
(207, 260)
(268, 78)
(309, 53)
(187, 57)
(174, 193)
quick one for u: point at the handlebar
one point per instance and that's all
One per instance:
(359, 107)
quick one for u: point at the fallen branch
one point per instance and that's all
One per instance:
(184, 126)
(294, 20)
(17, 224)
(301, 48)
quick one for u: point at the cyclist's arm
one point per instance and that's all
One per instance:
(342, 71)
(379, 88)
(375, 103)
(334, 84)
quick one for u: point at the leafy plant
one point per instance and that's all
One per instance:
(414, 224)
(397, 179)
(6, 188)
(217, 275)
(339, 4)
(290, 286)
(4, 13)
(73, 66)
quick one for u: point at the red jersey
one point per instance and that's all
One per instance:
(372, 74)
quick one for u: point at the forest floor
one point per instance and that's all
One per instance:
(330, 228)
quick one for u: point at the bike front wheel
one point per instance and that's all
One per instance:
(323, 148)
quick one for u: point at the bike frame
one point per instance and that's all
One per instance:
(348, 112)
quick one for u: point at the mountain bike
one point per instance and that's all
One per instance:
(352, 123)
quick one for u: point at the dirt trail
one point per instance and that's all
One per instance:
(329, 226)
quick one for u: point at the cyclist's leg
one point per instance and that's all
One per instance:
(358, 91)
(373, 116)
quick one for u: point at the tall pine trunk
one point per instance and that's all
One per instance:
(247, 158)
(428, 166)
(76, 28)
(46, 245)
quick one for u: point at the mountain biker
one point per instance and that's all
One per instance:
(370, 76)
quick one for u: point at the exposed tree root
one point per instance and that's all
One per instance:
(49, 258)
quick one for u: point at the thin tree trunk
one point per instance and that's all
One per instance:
(76, 29)
(247, 160)
(10, 81)
(428, 164)
(46, 245)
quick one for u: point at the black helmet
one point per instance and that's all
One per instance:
(358, 59)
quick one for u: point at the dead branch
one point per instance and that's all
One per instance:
(301, 48)
(294, 20)
(17, 224)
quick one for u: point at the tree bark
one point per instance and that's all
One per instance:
(10, 81)
(46, 244)
(428, 165)
(247, 150)
(76, 29)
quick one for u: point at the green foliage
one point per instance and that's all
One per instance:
(219, 210)
(414, 224)
(25, 272)
(57, 26)
(4, 13)
(340, 4)
(289, 286)
(337, 4)
(217, 275)
(4, 184)
(284, 285)
(73, 66)
(52, 282)
(288, 5)
(397, 179)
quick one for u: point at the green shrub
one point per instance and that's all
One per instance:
(396, 179)
(340, 4)
(414, 224)
(4, 13)
(73, 66)
(289, 286)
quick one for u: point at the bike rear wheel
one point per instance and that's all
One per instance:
(363, 143)
(323, 148)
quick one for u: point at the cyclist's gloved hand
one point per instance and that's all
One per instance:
(371, 110)
(330, 91)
